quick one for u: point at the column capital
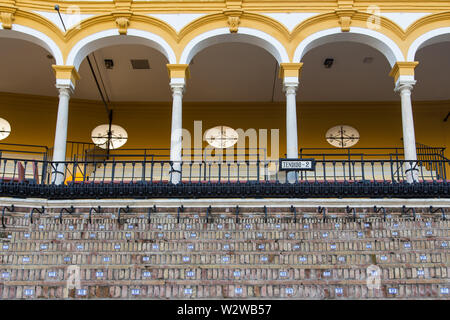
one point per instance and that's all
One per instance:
(64, 89)
(404, 85)
(290, 88)
(66, 76)
(177, 85)
(290, 73)
(290, 70)
(403, 72)
(178, 71)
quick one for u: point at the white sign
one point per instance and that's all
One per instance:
(296, 164)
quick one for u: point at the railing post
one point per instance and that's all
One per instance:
(257, 170)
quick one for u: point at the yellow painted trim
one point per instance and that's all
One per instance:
(66, 72)
(124, 14)
(290, 70)
(178, 71)
(403, 69)
(168, 6)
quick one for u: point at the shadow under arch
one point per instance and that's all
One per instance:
(371, 38)
(244, 35)
(429, 38)
(34, 36)
(112, 37)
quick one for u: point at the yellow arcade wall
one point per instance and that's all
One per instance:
(33, 120)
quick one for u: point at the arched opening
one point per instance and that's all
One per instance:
(236, 84)
(345, 83)
(245, 35)
(368, 37)
(28, 97)
(36, 37)
(133, 82)
(432, 96)
(355, 91)
(111, 37)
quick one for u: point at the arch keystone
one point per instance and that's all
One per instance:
(122, 24)
(234, 19)
(122, 13)
(234, 12)
(345, 18)
(7, 16)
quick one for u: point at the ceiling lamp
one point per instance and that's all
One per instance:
(100, 136)
(342, 136)
(5, 129)
(221, 137)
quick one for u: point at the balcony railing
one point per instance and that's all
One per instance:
(155, 178)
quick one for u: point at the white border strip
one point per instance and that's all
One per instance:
(249, 203)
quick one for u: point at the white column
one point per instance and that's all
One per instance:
(290, 88)
(59, 147)
(177, 85)
(409, 140)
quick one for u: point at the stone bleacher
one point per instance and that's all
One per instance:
(256, 257)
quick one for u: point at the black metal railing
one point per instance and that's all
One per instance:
(151, 178)
(432, 157)
(25, 151)
(427, 153)
(86, 151)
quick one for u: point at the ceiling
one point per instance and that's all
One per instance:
(228, 72)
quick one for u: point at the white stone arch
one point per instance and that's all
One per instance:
(112, 37)
(244, 35)
(426, 39)
(30, 35)
(369, 37)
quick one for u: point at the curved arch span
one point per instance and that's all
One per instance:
(246, 35)
(27, 34)
(111, 37)
(371, 38)
(427, 39)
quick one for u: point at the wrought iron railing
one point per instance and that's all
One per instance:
(85, 151)
(24, 151)
(157, 171)
(431, 157)
(427, 153)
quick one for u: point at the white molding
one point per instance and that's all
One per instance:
(369, 37)
(177, 81)
(429, 38)
(60, 83)
(232, 202)
(405, 79)
(111, 37)
(36, 37)
(246, 35)
(290, 20)
(177, 20)
(290, 81)
(404, 19)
